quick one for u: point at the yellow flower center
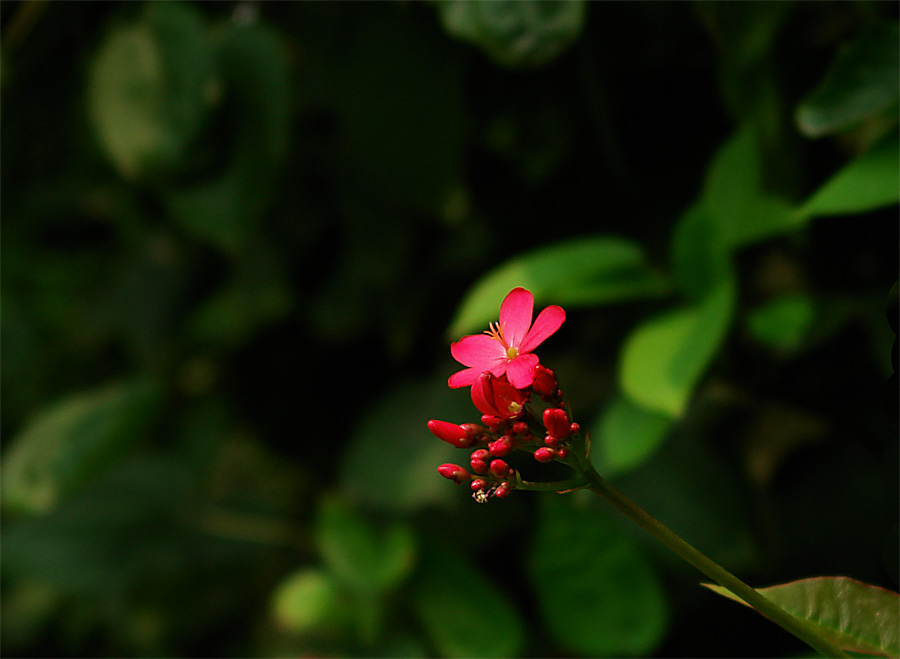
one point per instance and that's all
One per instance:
(512, 353)
(514, 408)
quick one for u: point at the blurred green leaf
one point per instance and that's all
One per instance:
(150, 86)
(867, 183)
(597, 593)
(359, 556)
(464, 613)
(782, 324)
(71, 442)
(664, 358)
(851, 614)
(687, 487)
(515, 32)
(863, 81)
(256, 295)
(627, 434)
(116, 532)
(227, 210)
(310, 601)
(579, 272)
(373, 474)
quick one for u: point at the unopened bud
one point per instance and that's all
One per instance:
(520, 428)
(557, 422)
(454, 472)
(478, 484)
(544, 454)
(503, 490)
(501, 447)
(495, 423)
(473, 431)
(499, 468)
(450, 433)
(562, 453)
(478, 466)
(574, 429)
(550, 440)
(544, 381)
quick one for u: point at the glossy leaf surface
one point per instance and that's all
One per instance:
(862, 82)
(851, 614)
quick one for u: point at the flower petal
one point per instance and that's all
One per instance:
(547, 322)
(483, 394)
(463, 378)
(515, 315)
(520, 371)
(478, 350)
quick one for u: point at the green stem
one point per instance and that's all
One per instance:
(714, 571)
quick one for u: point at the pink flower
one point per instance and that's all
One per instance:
(506, 348)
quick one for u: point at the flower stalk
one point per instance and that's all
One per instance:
(799, 628)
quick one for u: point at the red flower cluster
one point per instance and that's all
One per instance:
(505, 376)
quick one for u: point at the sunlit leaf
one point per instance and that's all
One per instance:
(664, 358)
(848, 613)
(598, 595)
(310, 601)
(783, 323)
(463, 612)
(626, 435)
(867, 183)
(360, 556)
(515, 32)
(579, 272)
(73, 441)
(863, 81)
(150, 88)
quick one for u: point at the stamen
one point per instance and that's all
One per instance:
(495, 332)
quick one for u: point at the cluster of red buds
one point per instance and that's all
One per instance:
(509, 422)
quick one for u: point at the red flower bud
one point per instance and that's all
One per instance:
(450, 433)
(478, 484)
(454, 472)
(549, 440)
(473, 431)
(501, 447)
(499, 468)
(574, 429)
(557, 422)
(495, 424)
(520, 428)
(503, 490)
(544, 454)
(562, 453)
(478, 466)
(544, 381)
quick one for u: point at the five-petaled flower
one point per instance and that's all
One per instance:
(506, 348)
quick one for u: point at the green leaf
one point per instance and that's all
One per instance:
(783, 323)
(664, 358)
(310, 601)
(228, 209)
(688, 488)
(579, 272)
(150, 87)
(361, 557)
(121, 530)
(862, 82)
(848, 613)
(515, 32)
(463, 612)
(404, 132)
(256, 295)
(627, 434)
(597, 594)
(374, 474)
(867, 183)
(72, 441)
